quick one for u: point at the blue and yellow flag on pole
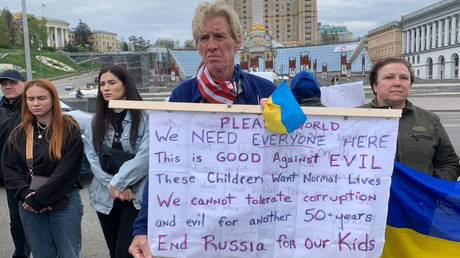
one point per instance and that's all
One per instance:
(423, 216)
(282, 113)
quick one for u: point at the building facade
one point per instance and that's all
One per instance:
(385, 41)
(290, 22)
(333, 34)
(431, 40)
(58, 31)
(104, 41)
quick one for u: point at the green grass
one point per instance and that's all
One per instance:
(9, 50)
(48, 72)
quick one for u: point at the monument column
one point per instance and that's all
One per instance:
(446, 31)
(55, 38)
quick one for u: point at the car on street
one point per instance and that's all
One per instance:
(83, 119)
(69, 87)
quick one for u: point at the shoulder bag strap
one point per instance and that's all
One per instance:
(29, 149)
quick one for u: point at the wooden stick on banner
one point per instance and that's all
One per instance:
(251, 109)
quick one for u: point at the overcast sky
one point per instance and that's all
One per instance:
(154, 19)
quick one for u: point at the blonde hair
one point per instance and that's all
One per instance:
(205, 11)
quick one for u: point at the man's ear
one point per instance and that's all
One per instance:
(238, 42)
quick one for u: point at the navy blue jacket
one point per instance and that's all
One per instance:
(253, 89)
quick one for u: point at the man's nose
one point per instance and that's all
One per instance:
(212, 44)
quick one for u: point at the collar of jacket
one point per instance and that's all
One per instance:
(197, 97)
(407, 108)
(310, 101)
(16, 102)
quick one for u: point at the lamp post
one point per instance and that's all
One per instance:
(90, 56)
(40, 53)
(25, 28)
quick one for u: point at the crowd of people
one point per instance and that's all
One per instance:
(42, 148)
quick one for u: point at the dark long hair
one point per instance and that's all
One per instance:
(102, 118)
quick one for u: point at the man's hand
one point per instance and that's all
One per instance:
(139, 247)
(262, 103)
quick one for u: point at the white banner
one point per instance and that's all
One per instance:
(343, 95)
(220, 185)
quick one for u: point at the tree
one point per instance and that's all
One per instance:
(164, 42)
(4, 42)
(12, 27)
(139, 44)
(124, 46)
(189, 44)
(82, 34)
(38, 33)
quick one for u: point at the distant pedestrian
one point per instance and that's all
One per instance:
(12, 83)
(41, 163)
(337, 80)
(79, 94)
(333, 80)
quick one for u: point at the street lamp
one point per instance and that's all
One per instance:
(90, 55)
(40, 53)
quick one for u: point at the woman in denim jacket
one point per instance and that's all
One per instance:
(116, 196)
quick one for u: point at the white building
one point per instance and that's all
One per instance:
(431, 40)
(58, 32)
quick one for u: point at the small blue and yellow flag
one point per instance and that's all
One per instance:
(282, 112)
(423, 216)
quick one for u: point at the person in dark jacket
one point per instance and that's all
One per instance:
(423, 143)
(12, 83)
(305, 88)
(217, 35)
(51, 211)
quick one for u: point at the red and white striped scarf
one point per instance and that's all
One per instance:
(223, 92)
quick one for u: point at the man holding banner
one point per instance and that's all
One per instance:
(218, 36)
(221, 185)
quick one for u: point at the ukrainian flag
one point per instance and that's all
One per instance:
(282, 112)
(423, 216)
